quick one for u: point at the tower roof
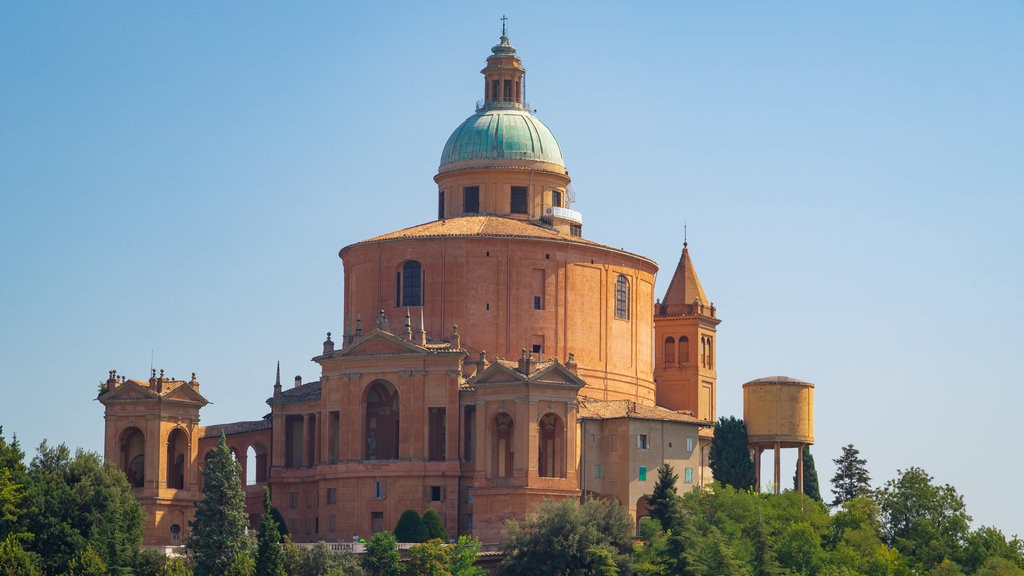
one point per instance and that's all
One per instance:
(684, 290)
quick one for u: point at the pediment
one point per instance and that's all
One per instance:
(186, 393)
(378, 343)
(127, 392)
(497, 373)
(558, 374)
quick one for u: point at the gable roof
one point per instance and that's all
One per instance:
(593, 409)
(504, 372)
(379, 342)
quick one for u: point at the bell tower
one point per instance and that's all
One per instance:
(685, 325)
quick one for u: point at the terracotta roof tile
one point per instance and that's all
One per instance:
(236, 428)
(592, 409)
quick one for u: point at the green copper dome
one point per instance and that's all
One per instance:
(502, 134)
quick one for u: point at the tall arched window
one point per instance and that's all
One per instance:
(622, 297)
(382, 420)
(409, 285)
(503, 447)
(684, 349)
(670, 351)
(551, 447)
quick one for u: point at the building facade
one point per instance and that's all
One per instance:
(491, 358)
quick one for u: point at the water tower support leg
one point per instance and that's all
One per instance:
(778, 467)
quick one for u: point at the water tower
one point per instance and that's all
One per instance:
(779, 413)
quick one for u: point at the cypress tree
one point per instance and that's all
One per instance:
(434, 525)
(810, 475)
(663, 504)
(217, 534)
(410, 527)
(269, 556)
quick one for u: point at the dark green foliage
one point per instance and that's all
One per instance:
(14, 483)
(217, 534)
(269, 556)
(729, 457)
(663, 504)
(851, 478)
(566, 538)
(434, 525)
(382, 557)
(810, 475)
(928, 523)
(410, 527)
(77, 503)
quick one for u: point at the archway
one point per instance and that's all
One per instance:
(133, 456)
(177, 451)
(255, 464)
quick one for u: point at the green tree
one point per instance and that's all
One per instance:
(15, 560)
(810, 475)
(463, 557)
(558, 536)
(14, 482)
(927, 523)
(851, 478)
(382, 556)
(664, 503)
(729, 457)
(87, 563)
(434, 525)
(987, 543)
(410, 527)
(269, 556)
(218, 534)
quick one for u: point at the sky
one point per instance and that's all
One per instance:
(176, 180)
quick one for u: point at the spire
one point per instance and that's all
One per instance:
(277, 382)
(685, 294)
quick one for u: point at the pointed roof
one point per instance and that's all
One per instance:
(684, 289)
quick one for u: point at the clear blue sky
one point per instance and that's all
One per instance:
(176, 180)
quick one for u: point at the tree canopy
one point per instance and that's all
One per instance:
(567, 538)
(730, 457)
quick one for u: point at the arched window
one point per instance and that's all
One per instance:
(670, 351)
(551, 448)
(133, 456)
(684, 349)
(177, 448)
(382, 420)
(503, 446)
(409, 285)
(622, 297)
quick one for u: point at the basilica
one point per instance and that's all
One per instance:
(492, 357)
